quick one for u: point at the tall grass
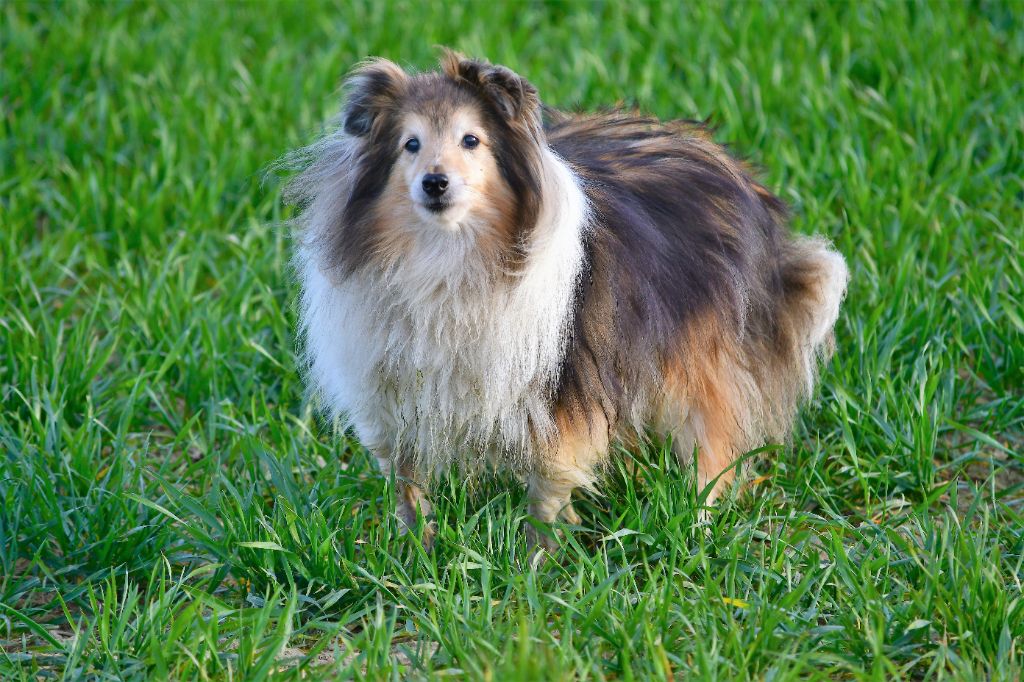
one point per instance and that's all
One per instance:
(171, 508)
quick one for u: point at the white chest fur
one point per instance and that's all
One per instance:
(435, 358)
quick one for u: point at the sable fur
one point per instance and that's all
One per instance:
(610, 274)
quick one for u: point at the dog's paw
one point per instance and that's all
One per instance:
(542, 541)
(408, 524)
(426, 539)
(429, 535)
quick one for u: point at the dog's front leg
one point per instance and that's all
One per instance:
(580, 445)
(411, 500)
(550, 499)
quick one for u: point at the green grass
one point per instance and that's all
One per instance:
(170, 506)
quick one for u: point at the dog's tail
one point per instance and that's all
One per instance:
(813, 283)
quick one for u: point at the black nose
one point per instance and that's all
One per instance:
(434, 184)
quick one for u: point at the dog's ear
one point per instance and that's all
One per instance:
(511, 95)
(372, 89)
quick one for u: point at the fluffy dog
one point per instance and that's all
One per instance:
(490, 283)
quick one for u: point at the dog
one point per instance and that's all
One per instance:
(490, 283)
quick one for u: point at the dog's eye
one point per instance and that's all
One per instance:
(412, 145)
(470, 141)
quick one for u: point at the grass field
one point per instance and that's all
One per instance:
(171, 507)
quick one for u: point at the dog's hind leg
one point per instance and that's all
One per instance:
(717, 448)
(707, 411)
(708, 433)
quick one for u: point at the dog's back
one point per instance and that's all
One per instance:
(699, 313)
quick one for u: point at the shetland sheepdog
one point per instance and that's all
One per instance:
(487, 282)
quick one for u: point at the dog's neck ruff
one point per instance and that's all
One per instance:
(439, 358)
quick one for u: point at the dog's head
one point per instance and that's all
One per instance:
(454, 152)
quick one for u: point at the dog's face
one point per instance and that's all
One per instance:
(446, 170)
(455, 152)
